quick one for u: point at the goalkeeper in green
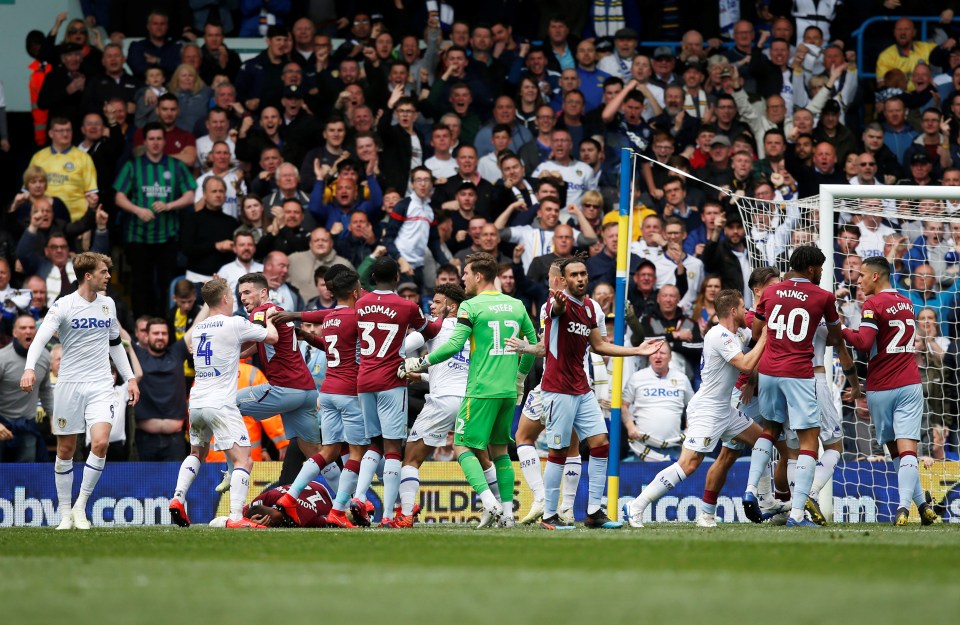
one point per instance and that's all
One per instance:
(494, 381)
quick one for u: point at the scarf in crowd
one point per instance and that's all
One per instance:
(607, 17)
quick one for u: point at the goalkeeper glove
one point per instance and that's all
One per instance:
(412, 365)
(520, 379)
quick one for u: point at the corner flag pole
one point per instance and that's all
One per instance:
(623, 244)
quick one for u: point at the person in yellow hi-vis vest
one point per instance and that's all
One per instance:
(272, 427)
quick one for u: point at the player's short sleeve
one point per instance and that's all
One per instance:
(259, 317)
(728, 345)
(602, 327)
(247, 331)
(416, 318)
(761, 308)
(830, 314)
(868, 315)
(593, 317)
(114, 322)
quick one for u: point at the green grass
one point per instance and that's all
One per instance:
(667, 573)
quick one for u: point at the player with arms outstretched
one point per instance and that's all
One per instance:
(496, 377)
(341, 419)
(710, 416)
(87, 325)
(568, 401)
(215, 341)
(894, 391)
(383, 318)
(791, 312)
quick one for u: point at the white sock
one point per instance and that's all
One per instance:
(91, 475)
(331, 473)
(368, 467)
(659, 486)
(239, 484)
(391, 485)
(488, 499)
(490, 474)
(806, 465)
(824, 471)
(791, 473)
(63, 478)
(189, 469)
(409, 486)
(571, 481)
(530, 468)
(764, 486)
(380, 467)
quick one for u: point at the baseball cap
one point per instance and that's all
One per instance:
(293, 92)
(276, 31)
(466, 184)
(408, 286)
(604, 44)
(734, 219)
(721, 139)
(663, 51)
(68, 47)
(920, 158)
(694, 64)
(831, 106)
(626, 33)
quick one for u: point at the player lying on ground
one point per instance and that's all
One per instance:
(710, 417)
(568, 401)
(215, 340)
(86, 323)
(314, 505)
(894, 391)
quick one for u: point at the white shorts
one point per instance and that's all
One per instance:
(436, 420)
(831, 428)
(224, 423)
(533, 407)
(79, 404)
(705, 431)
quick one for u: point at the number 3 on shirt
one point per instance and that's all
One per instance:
(368, 344)
(513, 326)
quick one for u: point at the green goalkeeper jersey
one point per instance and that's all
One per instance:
(488, 319)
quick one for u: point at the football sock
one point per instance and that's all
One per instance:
(188, 472)
(828, 460)
(664, 482)
(368, 466)
(597, 468)
(308, 472)
(709, 505)
(552, 476)
(530, 468)
(239, 483)
(409, 485)
(473, 472)
(490, 475)
(759, 459)
(380, 469)
(764, 486)
(505, 482)
(63, 478)
(92, 471)
(571, 480)
(391, 482)
(331, 473)
(348, 484)
(806, 466)
(908, 475)
(791, 473)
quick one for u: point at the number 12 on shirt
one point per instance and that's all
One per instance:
(498, 348)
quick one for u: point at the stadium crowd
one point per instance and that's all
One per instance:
(435, 130)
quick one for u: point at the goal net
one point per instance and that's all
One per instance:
(918, 230)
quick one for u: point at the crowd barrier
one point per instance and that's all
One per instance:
(137, 493)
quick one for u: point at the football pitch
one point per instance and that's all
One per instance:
(665, 573)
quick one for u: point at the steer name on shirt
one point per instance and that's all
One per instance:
(377, 308)
(507, 308)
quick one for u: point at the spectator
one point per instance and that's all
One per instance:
(207, 234)
(601, 267)
(260, 78)
(304, 264)
(155, 49)
(335, 215)
(221, 167)
(577, 176)
(62, 92)
(845, 244)
(358, 241)
(324, 299)
(717, 171)
(889, 169)
(537, 238)
(193, 96)
(53, 266)
(403, 145)
(675, 232)
(562, 248)
(252, 218)
(654, 426)
(928, 245)
(35, 182)
(681, 333)
(145, 101)
(328, 153)
(178, 143)
(441, 164)
(152, 228)
(244, 247)
(217, 57)
(467, 172)
(833, 132)
(905, 53)
(410, 231)
(276, 268)
(287, 188)
(924, 292)
(824, 170)
(162, 410)
(703, 311)
(727, 257)
(487, 240)
(514, 186)
(20, 437)
(504, 112)
(287, 233)
(113, 82)
(872, 230)
(75, 182)
(931, 348)
(898, 136)
(625, 48)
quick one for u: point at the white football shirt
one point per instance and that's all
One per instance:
(718, 377)
(85, 330)
(578, 176)
(657, 403)
(216, 358)
(450, 376)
